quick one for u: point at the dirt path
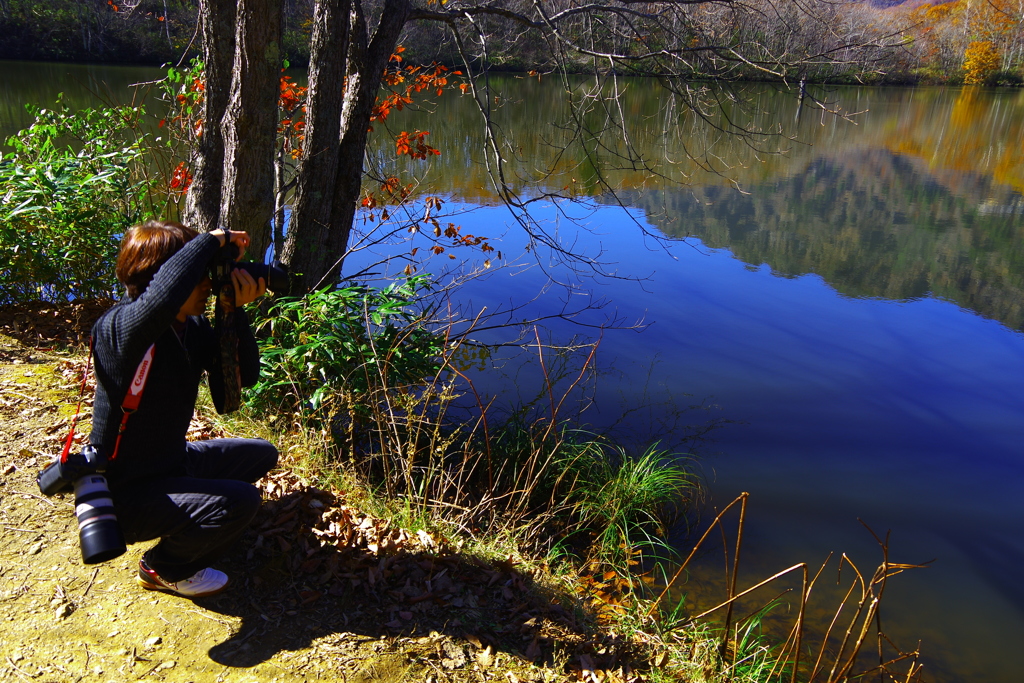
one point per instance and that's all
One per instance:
(319, 590)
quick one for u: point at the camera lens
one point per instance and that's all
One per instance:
(98, 531)
(274, 275)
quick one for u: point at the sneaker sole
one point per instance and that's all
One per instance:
(170, 591)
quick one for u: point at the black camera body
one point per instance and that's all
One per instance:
(99, 534)
(274, 274)
(60, 477)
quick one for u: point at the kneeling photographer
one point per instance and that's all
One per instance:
(197, 497)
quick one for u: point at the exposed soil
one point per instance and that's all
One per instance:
(320, 591)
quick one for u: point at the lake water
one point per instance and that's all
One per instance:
(850, 302)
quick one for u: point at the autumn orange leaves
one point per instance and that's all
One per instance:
(187, 90)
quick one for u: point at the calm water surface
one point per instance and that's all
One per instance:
(855, 312)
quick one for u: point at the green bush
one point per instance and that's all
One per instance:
(1006, 78)
(619, 503)
(623, 498)
(68, 192)
(339, 348)
(94, 30)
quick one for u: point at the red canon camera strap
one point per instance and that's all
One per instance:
(74, 421)
(128, 406)
(134, 396)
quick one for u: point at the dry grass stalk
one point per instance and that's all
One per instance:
(837, 659)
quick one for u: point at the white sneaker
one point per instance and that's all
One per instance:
(204, 582)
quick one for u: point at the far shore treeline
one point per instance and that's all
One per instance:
(943, 42)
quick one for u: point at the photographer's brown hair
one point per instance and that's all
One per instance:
(145, 248)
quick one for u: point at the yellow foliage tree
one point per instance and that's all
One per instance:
(981, 58)
(942, 35)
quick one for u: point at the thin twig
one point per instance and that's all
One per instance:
(753, 588)
(91, 581)
(735, 571)
(21, 673)
(32, 495)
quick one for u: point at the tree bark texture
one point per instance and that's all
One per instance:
(250, 123)
(202, 203)
(367, 57)
(311, 211)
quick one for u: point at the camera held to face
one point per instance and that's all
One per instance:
(274, 274)
(99, 533)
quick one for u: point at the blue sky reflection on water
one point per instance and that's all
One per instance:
(908, 414)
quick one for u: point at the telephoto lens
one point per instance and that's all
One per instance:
(99, 534)
(275, 275)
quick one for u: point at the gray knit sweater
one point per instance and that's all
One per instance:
(153, 444)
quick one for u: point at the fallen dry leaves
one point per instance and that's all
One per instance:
(417, 582)
(44, 325)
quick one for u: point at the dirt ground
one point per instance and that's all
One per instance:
(320, 591)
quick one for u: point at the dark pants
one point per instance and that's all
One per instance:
(199, 515)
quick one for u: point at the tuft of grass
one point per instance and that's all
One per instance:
(626, 500)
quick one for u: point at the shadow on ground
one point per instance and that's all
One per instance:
(317, 570)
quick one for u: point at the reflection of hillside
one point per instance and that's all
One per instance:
(983, 132)
(951, 130)
(871, 224)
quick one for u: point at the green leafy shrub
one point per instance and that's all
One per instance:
(1005, 77)
(94, 30)
(68, 192)
(338, 348)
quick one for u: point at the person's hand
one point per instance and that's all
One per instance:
(236, 237)
(247, 289)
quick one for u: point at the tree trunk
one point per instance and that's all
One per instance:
(311, 212)
(202, 203)
(320, 257)
(364, 82)
(250, 123)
